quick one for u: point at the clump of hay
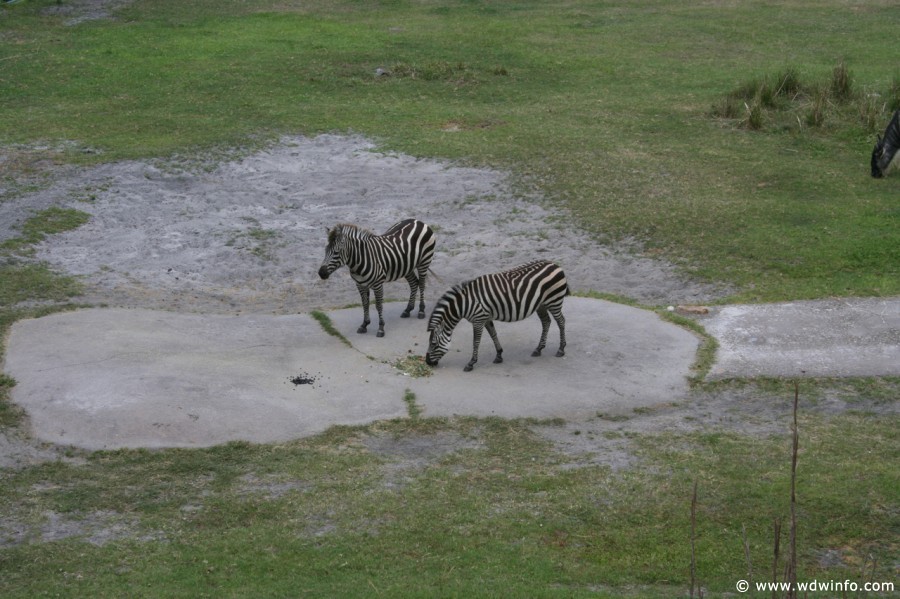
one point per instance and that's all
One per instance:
(413, 366)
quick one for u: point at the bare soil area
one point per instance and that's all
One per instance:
(249, 234)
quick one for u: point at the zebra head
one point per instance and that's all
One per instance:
(333, 252)
(877, 151)
(444, 319)
(886, 147)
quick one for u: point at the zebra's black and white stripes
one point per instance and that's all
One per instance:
(403, 251)
(886, 147)
(508, 296)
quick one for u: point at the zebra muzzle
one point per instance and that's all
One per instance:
(323, 272)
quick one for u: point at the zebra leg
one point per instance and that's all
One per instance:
(422, 276)
(364, 294)
(561, 323)
(379, 296)
(413, 286)
(493, 333)
(545, 327)
(477, 328)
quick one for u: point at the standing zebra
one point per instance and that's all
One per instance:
(886, 147)
(506, 296)
(404, 250)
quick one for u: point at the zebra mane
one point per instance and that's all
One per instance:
(886, 147)
(345, 229)
(440, 309)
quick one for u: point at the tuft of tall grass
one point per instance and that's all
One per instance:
(815, 116)
(788, 84)
(841, 83)
(785, 100)
(728, 107)
(754, 119)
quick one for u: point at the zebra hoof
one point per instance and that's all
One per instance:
(361, 330)
(560, 354)
(421, 316)
(468, 367)
(405, 314)
(536, 353)
(379, 334)
(498, 360)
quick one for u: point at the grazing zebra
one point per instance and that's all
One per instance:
(405, 250)
(886, 147)
(506, 296)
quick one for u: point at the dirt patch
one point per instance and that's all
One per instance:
(97, 528)
(606, 439)
(270, 487)
(407, 456)
(18, 451)
(79, 11)
(249, 234)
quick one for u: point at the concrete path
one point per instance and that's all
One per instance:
(103, 379)
(830, 338)
(110, 378)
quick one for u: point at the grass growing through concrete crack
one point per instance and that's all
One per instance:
(329, 327)
(412, 407)
(706, 353)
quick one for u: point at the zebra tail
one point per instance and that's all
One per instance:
(434, 274)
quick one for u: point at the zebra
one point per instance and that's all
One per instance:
(886, 147)
(405, 250)
(507, 297)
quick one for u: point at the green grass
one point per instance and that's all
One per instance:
(47, 222)
(25, 284)
(30, 289)
(316, 517)
(569, 96)
(34, 283)
(413, 409)
(329, 327)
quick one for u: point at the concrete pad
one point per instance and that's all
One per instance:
(617, 358)
(111, 378)
(830, 338)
